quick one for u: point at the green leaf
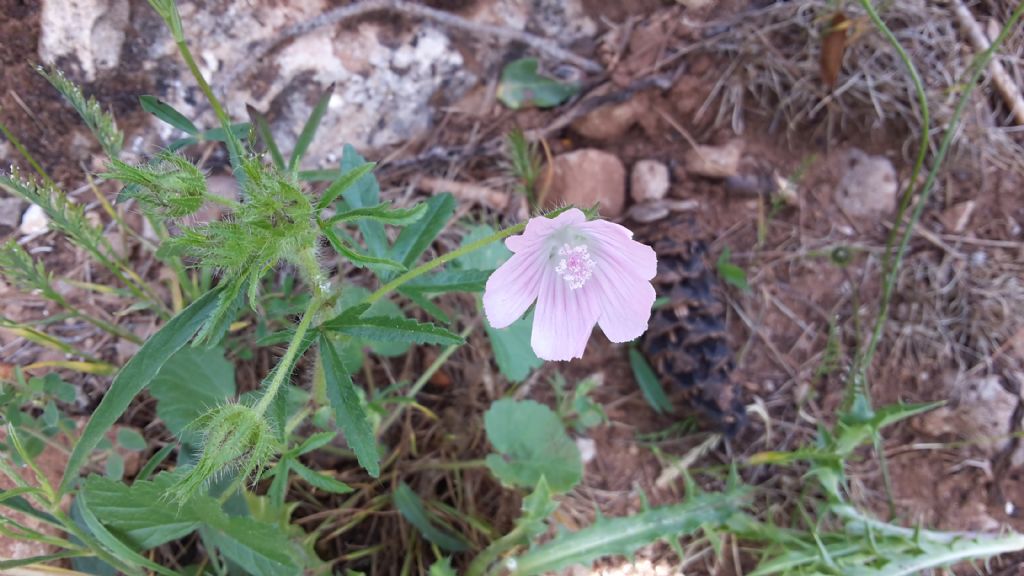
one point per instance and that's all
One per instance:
(383, 213)
(355, 256)
(364, 193)
(391, 329)
(412, 509)
(115, 466)
(521, 86)
(140, 514)
(118, 548)
(318, 480)
(414, 239)
(314, 442)
(486, 258)
(260, 549)
(190, 383)
(219, 134)
(624, 536)
(154, 462)
(343, 183)
(135, 376)
(263, 129)
(448, 281)
(531, 442)
(130, 439)
(443, 567)
(351, 347)
(730, 272)
(348, 410)
(648, 382)
(168, 114)
(309, 130)
(512, 350)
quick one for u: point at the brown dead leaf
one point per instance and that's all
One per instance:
(833, 46)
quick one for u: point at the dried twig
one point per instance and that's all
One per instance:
(1003, 82)
(543, 45)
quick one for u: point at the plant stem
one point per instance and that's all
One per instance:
(442, 259)
(487, 557)
(284, 366)
(858, 376)
(234, 146)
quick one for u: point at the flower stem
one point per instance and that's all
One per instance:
(290, 356)
(442, 259)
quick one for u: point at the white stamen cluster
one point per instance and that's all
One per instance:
(576, 265)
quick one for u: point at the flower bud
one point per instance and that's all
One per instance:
(236, 439)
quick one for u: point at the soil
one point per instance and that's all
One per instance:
(814, 274)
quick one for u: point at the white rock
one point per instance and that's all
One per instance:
(91, 30)
(869, 186)
(648, 181)
(715, 161)
(34, 221)
(588, 449)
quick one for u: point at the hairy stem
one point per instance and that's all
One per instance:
(290, 356)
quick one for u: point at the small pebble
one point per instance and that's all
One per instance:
(34, 221)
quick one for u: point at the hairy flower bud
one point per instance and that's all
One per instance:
(169, 184)
(236, 439)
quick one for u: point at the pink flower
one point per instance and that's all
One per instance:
(580, 273)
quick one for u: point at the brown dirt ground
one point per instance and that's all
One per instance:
(779, 330)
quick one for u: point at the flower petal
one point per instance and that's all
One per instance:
(513, 287)
(614, 241)
(564, 319)
(621, 278)
(624, 302)
(540, 227)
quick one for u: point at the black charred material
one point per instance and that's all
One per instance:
(686, 343)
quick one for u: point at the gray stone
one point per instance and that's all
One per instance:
(715, 161)
(90, 30)
(648, 181)
(868, 187)
(10, 214)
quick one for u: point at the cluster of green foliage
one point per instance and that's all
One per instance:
(226, 441)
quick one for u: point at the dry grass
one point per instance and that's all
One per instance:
(774, 69)
(957, 310)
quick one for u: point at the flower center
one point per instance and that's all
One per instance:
(576, 265)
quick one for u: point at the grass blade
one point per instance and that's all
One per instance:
(411, 508)
(263, 129)
(309, 130)
(648, 382)
(168, 114)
